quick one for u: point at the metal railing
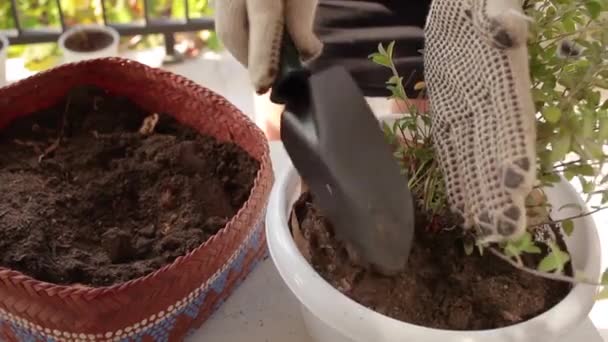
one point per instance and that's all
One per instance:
(165, 26)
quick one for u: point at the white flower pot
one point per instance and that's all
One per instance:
(3, 50)
(70, 55)
(331, 316)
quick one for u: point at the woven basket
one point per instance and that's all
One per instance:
(176, 299)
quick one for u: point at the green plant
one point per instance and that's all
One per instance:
(568, 56)
(411, 137)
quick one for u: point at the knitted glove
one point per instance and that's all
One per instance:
(476, 71)
(251, 30)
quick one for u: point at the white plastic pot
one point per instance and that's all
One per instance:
(70, 56)
(3, 51)
(330, 316)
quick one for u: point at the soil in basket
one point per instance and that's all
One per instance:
(109, 204)
(441, 288)
(88, 41)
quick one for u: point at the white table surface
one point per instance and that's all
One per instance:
(263, 309)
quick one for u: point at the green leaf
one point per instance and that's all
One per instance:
(568, 227)
(550, 178)
(552, 114)
(512, 251)
(214, 43)
(555, 261)
(594, 7)
(569, 25)
(395, 80)
(594, 149)
(532, 249)
(581, 170)
(603, 131)
(390, 49)
(569, 174)
(604, 292)
(381, 49)
(602, 83)
(372, 55)
(560, 146)
(524, 244)
(587, 187)
(388, 133)
(588, 125)
(539, 95)
(594, 98)
(178, 9)
(395, 91)
(604, 280)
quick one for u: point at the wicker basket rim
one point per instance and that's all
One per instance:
(80, 290)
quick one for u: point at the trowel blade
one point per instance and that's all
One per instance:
(354, 178)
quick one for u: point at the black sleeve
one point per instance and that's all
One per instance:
(352, 29)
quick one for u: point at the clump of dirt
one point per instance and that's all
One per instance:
(441, 288)
(88, 195)
(88, 41)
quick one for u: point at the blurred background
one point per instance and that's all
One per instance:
(177, 35)
(33, 26)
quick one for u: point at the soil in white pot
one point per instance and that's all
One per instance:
(88, 41)
(441, 288)
(107, 202)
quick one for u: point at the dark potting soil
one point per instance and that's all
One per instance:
(441, 288)
(87, 41)
(109, 204)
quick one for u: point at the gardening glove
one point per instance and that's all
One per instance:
(483, 118)
(252, 30)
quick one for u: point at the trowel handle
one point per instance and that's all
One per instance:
(292, 79)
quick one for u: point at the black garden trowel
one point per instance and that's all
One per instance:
(338, 147)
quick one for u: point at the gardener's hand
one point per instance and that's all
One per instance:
(476, 70)
(252, 32)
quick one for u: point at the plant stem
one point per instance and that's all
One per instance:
(561, 167)
(581, 31)
(552, 276)
(579, 161)
(581, 215)
(570, 218)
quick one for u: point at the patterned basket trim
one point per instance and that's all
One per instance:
(157, 325)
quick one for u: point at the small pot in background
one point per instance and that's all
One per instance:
(83, 42)
(4, 44)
